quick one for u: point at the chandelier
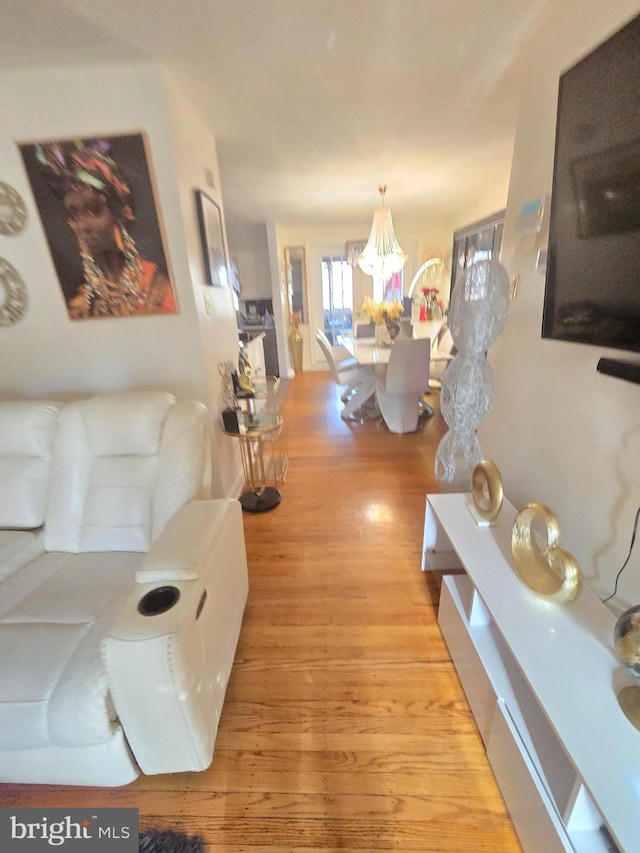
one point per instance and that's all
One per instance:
(382, 257)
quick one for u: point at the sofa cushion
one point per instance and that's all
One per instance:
(123, 464)
(12, 542)
(17, 548)
(39, 654)
(126, 424)
(53, 616)
(27, 432)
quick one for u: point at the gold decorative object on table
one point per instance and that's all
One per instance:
(550, 571)
(245, 385)
(486, 489)
(626, 636)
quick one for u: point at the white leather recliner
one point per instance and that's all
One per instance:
(27, 433)
(119, 619)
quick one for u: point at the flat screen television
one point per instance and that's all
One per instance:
(592, 291)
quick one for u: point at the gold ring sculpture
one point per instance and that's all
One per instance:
(551, 572)
(486, 489)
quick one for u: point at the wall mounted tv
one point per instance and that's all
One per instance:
(592, 292)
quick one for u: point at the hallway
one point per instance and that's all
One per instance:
(345, 726)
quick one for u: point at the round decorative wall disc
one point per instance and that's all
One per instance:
(13, 211)
(13, 295)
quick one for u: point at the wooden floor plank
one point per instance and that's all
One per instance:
(345, 726)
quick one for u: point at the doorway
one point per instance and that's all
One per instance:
(337, 297)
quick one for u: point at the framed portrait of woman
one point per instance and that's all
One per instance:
(96, 200)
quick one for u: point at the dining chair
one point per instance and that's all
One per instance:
(443, 352)
(399, 390)
(340, 354)
(358, 378)
(406, 327)
(364, 330)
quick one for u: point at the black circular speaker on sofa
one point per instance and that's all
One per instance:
(158, 600)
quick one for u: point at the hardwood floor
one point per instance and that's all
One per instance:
(345, 726)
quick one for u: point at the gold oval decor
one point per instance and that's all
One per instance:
(13, 211)
(486, 489)
(550, 571)
(13, 294)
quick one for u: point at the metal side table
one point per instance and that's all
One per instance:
(264, 458)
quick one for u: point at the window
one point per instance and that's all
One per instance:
(337, 297)
(477, 242)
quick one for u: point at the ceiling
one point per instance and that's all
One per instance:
(314, 103)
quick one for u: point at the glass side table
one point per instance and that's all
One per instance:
(264, 458)
(267, 392)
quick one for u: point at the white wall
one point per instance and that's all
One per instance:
(216, 321)
(280, 301)
(561, 433)
(248, 244)
(46, 353)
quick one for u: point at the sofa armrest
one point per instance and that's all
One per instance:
(179, 550)
(170, 648)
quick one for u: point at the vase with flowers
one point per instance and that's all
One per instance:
(430, 306)
(385, 315)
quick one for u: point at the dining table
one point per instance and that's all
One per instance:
(428, 329)
(367, 352)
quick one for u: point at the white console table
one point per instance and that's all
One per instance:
(541, 680)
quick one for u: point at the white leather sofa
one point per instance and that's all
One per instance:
(121, 590)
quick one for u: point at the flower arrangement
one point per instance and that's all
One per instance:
(381, 312)
(431, 307)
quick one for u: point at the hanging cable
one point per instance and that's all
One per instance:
(633, 539)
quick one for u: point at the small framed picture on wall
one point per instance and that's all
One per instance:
(213, 250)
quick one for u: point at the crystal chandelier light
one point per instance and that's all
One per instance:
(382, 257)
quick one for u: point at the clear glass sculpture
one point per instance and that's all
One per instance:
(477, 314)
